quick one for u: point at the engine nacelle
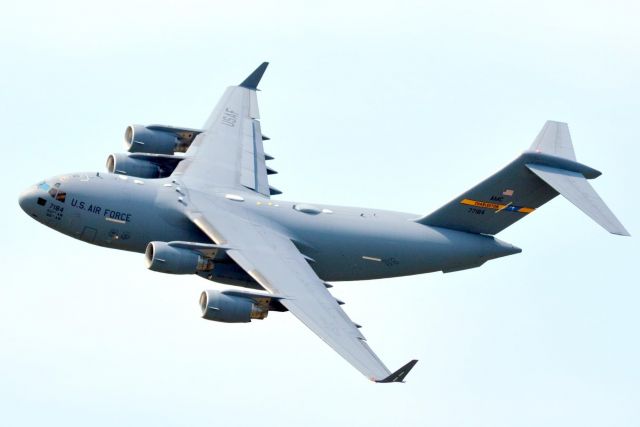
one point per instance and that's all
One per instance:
(164, 258)
(143, 165)
(222, 307)
(121, 163)
(140, 139)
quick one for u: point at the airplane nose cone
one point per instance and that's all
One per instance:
(27, 199)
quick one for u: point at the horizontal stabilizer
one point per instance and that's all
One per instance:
(575, 188)
(398, 376)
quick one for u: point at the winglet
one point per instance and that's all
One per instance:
(398, 376)
(252, 81)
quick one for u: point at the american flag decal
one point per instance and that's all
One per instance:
(507, 192)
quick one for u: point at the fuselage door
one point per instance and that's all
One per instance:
(88, 234)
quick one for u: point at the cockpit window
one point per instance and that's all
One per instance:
(44, 186)
(56, 193)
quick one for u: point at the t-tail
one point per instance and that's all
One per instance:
(547, 169)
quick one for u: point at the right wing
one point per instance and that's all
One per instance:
(276, 264)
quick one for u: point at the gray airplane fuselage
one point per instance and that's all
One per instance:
(341, 243)
(204, 207)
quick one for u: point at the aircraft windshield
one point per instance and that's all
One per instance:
(54, 191)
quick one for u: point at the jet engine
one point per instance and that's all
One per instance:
(232, 307)
(164, 258)
(142, 165)
(121, 163)
(158, 139)
(140, 139)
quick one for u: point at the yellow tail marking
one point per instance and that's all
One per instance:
(496, 206)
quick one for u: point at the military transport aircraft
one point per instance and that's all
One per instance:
(198, 201)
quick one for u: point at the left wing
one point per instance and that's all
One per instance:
(276, 264)
(229, 152)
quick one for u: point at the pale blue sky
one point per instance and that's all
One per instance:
(398, 105)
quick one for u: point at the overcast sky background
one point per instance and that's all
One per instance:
(397, 105)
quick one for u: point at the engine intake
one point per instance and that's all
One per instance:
(164, 258)
(221, 307)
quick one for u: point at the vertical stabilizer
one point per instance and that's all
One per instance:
(554, 139)
(549, 168)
